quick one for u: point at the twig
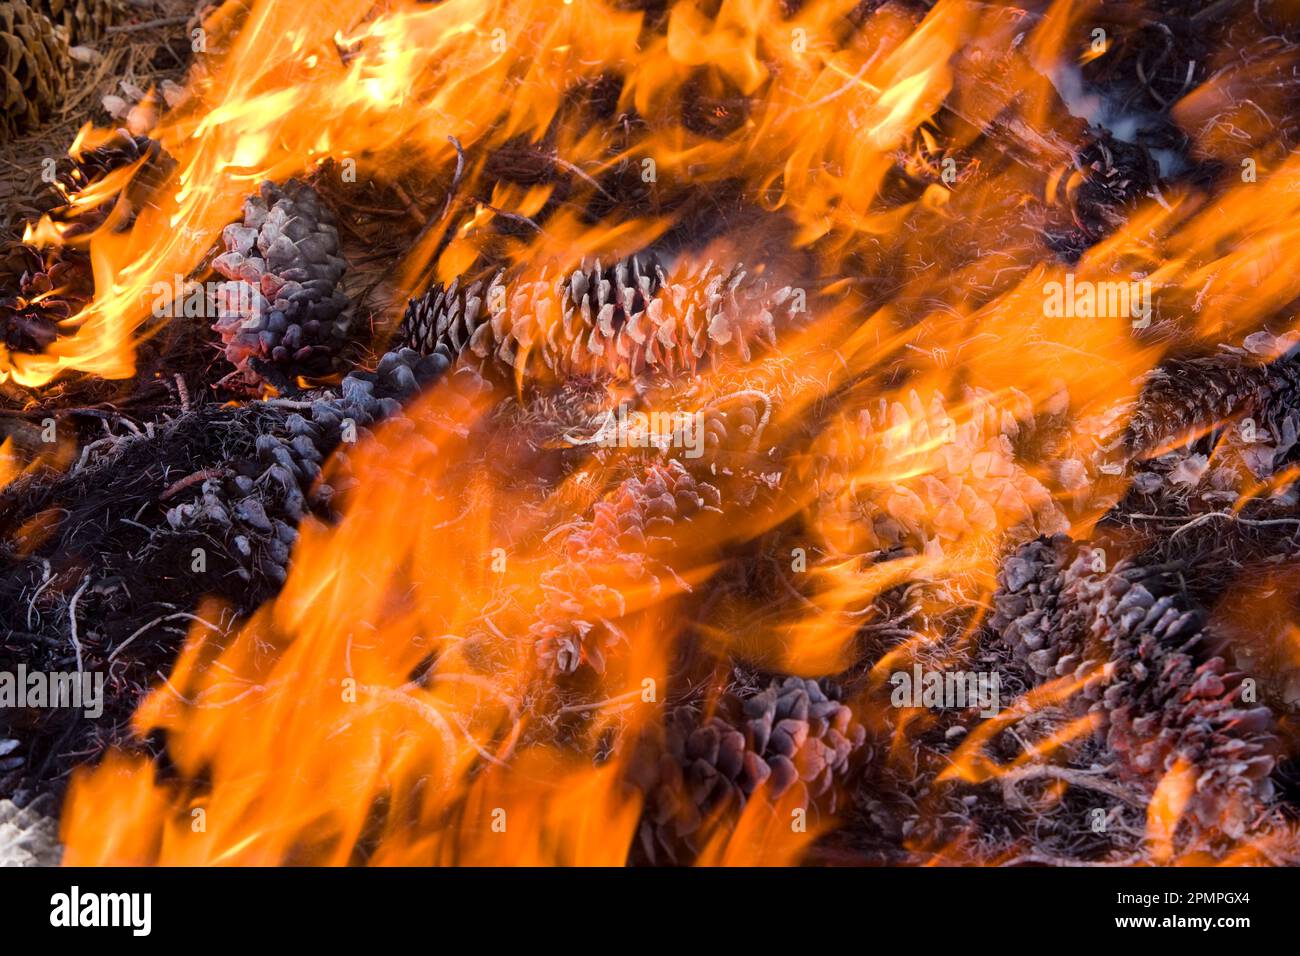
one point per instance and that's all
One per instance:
(455, 179)
(451, 192)
(514, 216)
(1075, 778)
(202, 475)
(412, 210)
(72, 617)
(160, 620)
(1202, 519)
(597, 705)
(45, 582)
(565, 164)
(148, 25)
(1045, 859)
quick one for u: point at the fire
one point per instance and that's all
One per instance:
(1167, 806)
(425, 697)
(464, 667)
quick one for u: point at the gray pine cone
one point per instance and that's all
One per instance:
(28, 836)
(256, 505)
(282, 307)
(233, 481)
(1027, 608)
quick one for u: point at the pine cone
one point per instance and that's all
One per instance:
(42, 286)
(39, 290)
(28, 836)
(283, 307)
(734, 425)
(1187, 397)
(1257, 617)
(1027, 607)
(237, 480)
(610, 554)
(1162, 694)
(90, 166)
(954, 480)
(35, 67)
(793, 734)
(619, 322)
(1115, 177)
(255, 508)
(83, 20)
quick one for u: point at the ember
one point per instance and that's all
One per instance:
(745, 432)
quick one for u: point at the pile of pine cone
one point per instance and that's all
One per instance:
(1121, 630)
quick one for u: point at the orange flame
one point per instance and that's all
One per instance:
(390, 706)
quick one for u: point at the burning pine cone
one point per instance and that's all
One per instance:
(1163, 696)
(34, 68)
(282, 312)
(39, 290)
(41, 287)
(1187, 397)
(793, 734)
(619, 322)
(956, 480)
(235, 482)
(1116, 176)
(612, 554)
(119, 150)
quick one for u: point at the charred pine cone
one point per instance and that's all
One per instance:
(230, 480)
(1116, 175)
(795, 734)
(38, 291)
(282, 312)
(119, 150)
(1163, 695)
(619, 322)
